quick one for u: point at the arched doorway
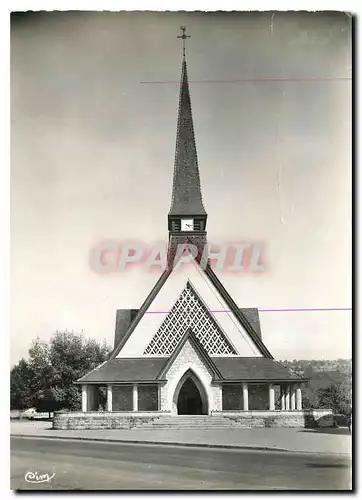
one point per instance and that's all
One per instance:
(190, 396)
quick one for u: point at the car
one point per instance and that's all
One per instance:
(29, 413)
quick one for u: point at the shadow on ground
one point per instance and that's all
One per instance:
(328, 430)
(327, 466)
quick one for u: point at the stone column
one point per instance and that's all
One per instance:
(299, 398)
(271, 397)
(158, 397)
(282, 397)
(287, 398)
(109, 397)
(84, 397)
(245, 397)
(292, 399)
(135, 397)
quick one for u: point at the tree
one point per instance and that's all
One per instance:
(46, 401)
(336, 397)
(20, 377)
(46, 380)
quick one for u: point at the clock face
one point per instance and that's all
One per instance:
(187, 224)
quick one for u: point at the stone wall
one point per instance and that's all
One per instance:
(232, 397)
(147, 397)
(102, 420)
(188, 359)
(258, 397)
(122, 397)
(255, 419)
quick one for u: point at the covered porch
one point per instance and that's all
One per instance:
(244, 396)
(121, 397)
(263, 396)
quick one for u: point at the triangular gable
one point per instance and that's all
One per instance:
(194, 341)
(161, 281)
(189, 311)
(237, 312)
(208, 280)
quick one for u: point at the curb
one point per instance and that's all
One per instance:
(160, 443)
(187, 445)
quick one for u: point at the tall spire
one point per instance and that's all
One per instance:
(186, 190)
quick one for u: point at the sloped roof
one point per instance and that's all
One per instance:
(224, 369)
(246, 322)
(252, 315)
(196, 344)
(253, 369)
(186, 191)
(125, 370)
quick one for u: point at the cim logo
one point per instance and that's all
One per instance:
(111, 256)
(35, 477)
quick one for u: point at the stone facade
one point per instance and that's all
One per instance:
(129, 420)
(188, 359)
(147, 398)
(258, 397)
(255, 419)
(232, 397)
(102, 420)
(122, 398)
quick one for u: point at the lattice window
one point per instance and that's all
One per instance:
(189, 312)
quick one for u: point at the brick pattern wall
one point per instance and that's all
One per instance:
(189, 359)
(258, 397)
(232, 397)
(147, 398)
(259, 419)
(100, 420)
(122, 398)
(106, 420)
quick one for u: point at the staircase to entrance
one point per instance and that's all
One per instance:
(198, 422)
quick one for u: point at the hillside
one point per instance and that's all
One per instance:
(323, 373)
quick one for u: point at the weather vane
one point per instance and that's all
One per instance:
(183, 36)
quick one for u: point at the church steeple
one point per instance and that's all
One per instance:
(187, 212)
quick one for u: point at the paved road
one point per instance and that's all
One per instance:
(87, 465)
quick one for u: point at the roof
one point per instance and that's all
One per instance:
(196, 344)
(252, 315)
(186, 190)
(246, 320)
(224, 369)
(255, 369)
(238, 313)
(125, 370)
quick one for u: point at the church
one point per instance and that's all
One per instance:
(186, 360)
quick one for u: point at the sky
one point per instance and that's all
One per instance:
(94, 99)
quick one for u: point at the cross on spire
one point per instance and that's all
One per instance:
(186, 191)
(183, 37)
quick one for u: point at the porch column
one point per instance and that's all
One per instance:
(158, 397)
(282, 397)
(271, 397)
(245, 397)
(135, 397)
(299, 398)
(287, 398)
(292, 399)
(84, 397)
(109, 397)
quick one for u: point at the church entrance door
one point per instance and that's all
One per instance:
(189, 399)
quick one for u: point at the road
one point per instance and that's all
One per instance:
(92, 465)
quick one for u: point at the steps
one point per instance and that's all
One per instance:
(198, 422)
